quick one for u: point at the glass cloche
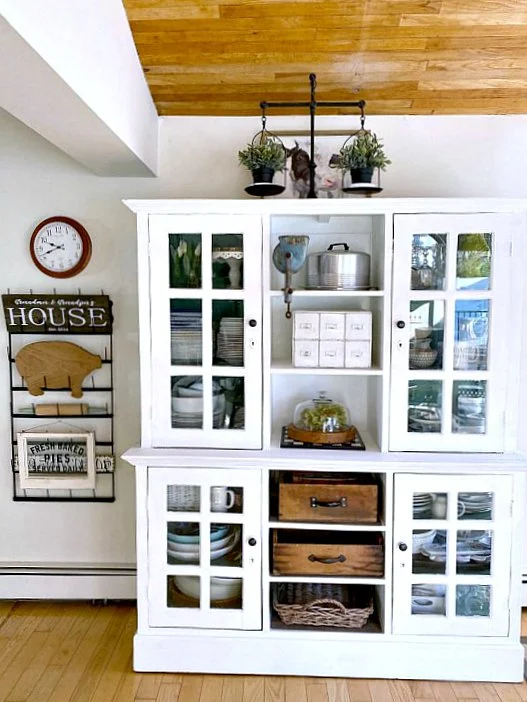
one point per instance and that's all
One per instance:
(321, 414)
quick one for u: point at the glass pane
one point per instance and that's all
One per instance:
(183, 591)
(228, 402)
(185, 332)
(226, 593)
(183, 498)
(427, 320)
(187, 402)
(473, 552)
(428, 261)
(226, 545)
(473, 261)
(226, 499)
(424, 405)
(227, 330)
(429, 551)
(428, 599)
(475, 505)
(428, 505)
(473, 601)
(471, 335)
(227, 261)
(183, 543)
(184, 260)
(469, 407)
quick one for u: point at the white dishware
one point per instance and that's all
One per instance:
(183, 497)
(222, 499)
(220, 588)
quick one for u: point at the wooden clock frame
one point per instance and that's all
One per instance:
(86, 250)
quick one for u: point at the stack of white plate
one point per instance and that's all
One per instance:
(230, 341)
(186, 337)
(422, 504)
(238, 421)
(476, 504)
(185, 548)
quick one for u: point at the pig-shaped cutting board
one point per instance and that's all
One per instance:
(54, 365)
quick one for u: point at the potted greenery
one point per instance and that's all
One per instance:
(362, 156)
(263, 159)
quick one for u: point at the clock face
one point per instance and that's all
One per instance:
(60, 247)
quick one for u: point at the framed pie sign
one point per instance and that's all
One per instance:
(64, 461)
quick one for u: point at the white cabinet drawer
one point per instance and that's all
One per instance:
(305, 353)
(358, 326)
(358, 354)
(332, 325)
(331, 354)
(306, 325)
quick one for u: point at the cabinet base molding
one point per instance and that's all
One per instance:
(364, 658)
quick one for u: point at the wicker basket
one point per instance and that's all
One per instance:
(321, 604)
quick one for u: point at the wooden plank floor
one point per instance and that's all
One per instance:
(79, 652)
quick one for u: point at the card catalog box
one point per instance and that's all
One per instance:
(331, 354)
(306, 325)
(358, 354)
(305, 354)
(358, 326)
(332, 325)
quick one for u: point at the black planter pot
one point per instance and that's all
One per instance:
(361, 175)
(263, 174)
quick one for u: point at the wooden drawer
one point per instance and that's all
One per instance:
(352, 499)
(300, 552)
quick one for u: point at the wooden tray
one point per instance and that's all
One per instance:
(321, 437)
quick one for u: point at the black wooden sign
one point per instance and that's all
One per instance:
(58, 314)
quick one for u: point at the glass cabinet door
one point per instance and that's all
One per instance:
(452, 554)
(449, 337)
(206, 331)
(204, 548)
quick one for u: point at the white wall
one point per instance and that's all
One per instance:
(433, 156)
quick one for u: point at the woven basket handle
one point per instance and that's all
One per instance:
(333, 603)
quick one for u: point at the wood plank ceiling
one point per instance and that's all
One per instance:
(222, 57)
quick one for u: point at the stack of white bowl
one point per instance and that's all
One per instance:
(422, 538)
(185, 548)
(187, 406)
(220, 588)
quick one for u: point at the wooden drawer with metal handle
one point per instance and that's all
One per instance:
(300, 552)
(324, 498)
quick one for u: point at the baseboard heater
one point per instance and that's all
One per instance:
(66, 581)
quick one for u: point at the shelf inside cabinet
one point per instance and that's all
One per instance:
(275, 524)
(302, 292)
(372, 627)
(338, 580)
(286, 367)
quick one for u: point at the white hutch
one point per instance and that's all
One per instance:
(419, 533)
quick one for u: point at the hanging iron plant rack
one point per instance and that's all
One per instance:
(313, 104)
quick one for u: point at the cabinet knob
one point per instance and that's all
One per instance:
(400, 324)
(402, 546)
(252, 322)
(252, 541)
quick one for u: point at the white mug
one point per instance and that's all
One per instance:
(466, 356)
(221, 499)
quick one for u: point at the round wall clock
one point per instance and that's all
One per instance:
(60, 247)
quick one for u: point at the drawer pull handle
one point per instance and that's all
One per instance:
(327, 561)
(343, 502)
